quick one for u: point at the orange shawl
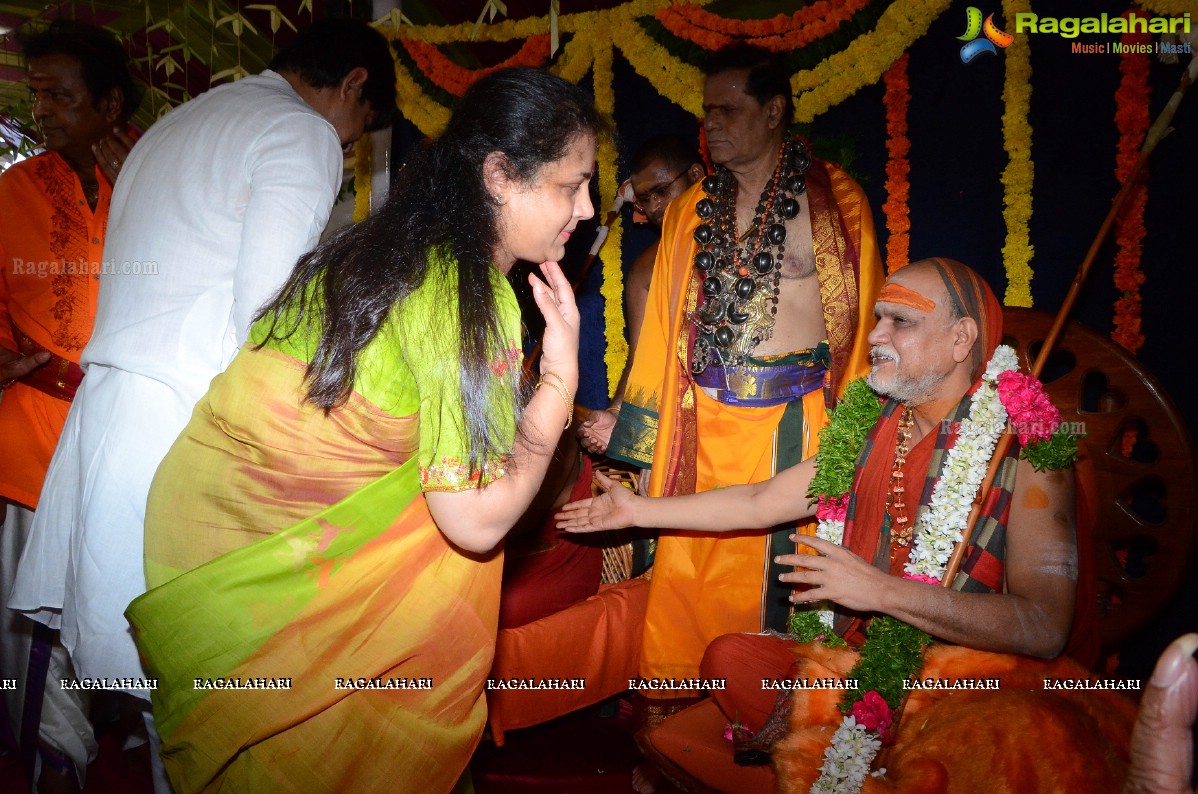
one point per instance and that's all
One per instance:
(703, 586)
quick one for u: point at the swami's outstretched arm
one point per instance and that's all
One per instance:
(777, 500)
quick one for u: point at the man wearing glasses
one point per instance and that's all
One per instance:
(662, 169)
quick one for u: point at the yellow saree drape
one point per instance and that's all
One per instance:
(292, 553)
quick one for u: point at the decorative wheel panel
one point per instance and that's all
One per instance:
(1143, 460)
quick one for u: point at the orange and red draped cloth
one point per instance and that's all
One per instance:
(928, 756)
(51, 242)
(702, 586)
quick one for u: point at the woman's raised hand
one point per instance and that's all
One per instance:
(556, 302)
(612, 509)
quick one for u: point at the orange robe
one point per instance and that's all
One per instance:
(50, 250)
(1022, 738)
(703, 586)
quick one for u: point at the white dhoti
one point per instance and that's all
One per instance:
(63, 726)
(82, 564)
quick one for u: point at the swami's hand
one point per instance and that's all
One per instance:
(613, 509)
(833, 574)
(556, 302)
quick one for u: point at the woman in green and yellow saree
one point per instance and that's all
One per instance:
(321, 539)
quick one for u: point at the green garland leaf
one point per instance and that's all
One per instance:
(1057, 452)
(892, 654)
(806, 626)
(842, 439)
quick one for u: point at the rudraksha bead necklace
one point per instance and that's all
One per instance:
(741, 273)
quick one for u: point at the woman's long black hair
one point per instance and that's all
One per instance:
(349, 285)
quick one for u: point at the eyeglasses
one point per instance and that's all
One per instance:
(656, 194)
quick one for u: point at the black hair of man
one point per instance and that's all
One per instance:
(768, 74)
(671, 151)
(102, 59)
(323, 53)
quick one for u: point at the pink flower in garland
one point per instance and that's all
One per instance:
(873, 712)
(919, 577)
(1032, 414)
(832, 508)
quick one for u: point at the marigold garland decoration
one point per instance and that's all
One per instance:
(898, 169)
(1167, 8)
(426, 79)
(674, 79)
(782, 33)
(610, 255)
(581, 24)
(1017, 176)
(863, 62)
(363, 167)
(429, 116)
(1131, 119)
(447, 75)
(575, 60)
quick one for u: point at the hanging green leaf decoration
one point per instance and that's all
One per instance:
(276, 16)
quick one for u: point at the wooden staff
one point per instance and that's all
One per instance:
(1160, 128)
(600, 239)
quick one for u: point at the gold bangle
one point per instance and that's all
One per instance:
(560, 388)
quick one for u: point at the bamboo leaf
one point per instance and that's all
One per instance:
(165, 24)
(236, 72)
(397, 18)
(237, 22)
(492, 8)
(168, 64)
(276, 16)
(554, 10)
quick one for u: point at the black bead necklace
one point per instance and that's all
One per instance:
(741, 273)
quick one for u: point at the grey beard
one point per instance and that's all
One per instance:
(906, 390)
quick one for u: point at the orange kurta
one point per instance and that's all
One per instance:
(50, 249)
(703, 586)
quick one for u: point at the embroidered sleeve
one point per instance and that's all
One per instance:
(430, 341)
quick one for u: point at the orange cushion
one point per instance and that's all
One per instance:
(692, 745)
(597, 640)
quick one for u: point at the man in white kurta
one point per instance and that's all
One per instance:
(216, 202)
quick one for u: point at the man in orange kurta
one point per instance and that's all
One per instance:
(55, 212)
(696, 438)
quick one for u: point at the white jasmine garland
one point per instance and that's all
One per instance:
(939, 525)
(847, 759)
(938, 528)
(831, 530)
